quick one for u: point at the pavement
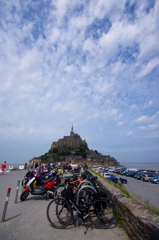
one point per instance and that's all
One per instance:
(27, 220)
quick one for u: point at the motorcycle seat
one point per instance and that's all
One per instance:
(43, 182)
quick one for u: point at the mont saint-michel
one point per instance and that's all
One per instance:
(74, 148)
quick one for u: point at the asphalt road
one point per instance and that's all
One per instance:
(145, 192)
(27, 220)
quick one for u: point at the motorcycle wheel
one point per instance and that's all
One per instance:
(24, 182)
(23, 196)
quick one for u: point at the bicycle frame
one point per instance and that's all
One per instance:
(77, 201)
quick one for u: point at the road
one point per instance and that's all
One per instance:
(27, 220)
(145, 192)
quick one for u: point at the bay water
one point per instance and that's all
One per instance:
(146, 166)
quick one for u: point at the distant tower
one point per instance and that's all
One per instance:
(72, 132)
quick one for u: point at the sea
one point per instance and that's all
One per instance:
(146, 166)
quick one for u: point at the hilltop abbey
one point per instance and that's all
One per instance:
(73, 148)
(73, 141)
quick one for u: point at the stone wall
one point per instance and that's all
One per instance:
(100, 162)
(138, 221)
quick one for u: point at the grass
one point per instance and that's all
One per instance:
(147, 204)
(118, 221)
(120, 187)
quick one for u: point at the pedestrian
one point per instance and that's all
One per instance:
(3, 167)
(36, 164)
(25, 166)
(48, 166)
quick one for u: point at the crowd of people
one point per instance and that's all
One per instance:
(74, 168)
(40, 164)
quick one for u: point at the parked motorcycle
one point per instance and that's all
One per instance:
(39, 174)
(30, 174)
(47, 188)
(42, 176)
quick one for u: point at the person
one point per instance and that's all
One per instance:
(48, 166)
(3, 167)
(59, 164)
(36, 164)
(25, 166)
(85, 167)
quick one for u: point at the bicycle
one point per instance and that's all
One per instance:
(99, 211)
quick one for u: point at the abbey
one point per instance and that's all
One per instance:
(73, 141)
(74, 148)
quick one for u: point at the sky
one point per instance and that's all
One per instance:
(91, 64)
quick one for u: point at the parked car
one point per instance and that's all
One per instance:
(130, 173)
(113, 178)
(139, 174)
(102, 172)
(111, 169)
(107, 175)
(147, 176)
(123, 180)
(123, 171)
(155, 179)
(117, 170)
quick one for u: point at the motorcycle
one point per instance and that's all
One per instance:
(48, 187)
(39, 174)
(30, 174)
(42, 176)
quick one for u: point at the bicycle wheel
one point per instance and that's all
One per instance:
(85, 197)
(59, 213)
(101, 213)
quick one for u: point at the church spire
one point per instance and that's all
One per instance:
(72, 132)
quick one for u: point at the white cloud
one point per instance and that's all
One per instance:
(147, 118)
(143, 119)
(149, 67)
(150, 127)
(78, 62)
(53, 36)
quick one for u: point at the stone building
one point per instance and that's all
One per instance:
(78, 151)
(73, 141)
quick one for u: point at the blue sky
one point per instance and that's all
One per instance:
(93, 64)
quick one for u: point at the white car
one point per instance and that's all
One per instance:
(111, 169)
(107, 175)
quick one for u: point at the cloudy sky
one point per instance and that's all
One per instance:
(93, 64)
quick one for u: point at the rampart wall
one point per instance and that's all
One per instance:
(138, 221)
